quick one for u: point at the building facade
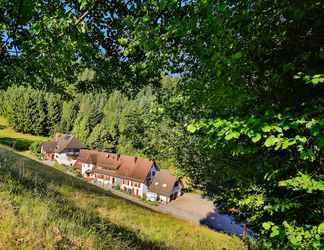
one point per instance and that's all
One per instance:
(130, 174)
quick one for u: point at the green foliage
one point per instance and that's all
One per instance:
(255, 130)
(62, 46)
(106, 122)
(274, 131)
(26, 110)
(69, 113)
(306, 237)
(315, 79)
(303, 182)
(35, 148)
(54, 111)
(238, 118)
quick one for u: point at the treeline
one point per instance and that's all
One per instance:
(31, 111)
(103, 121)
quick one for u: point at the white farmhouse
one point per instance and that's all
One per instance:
(164, 187)
(130, 174)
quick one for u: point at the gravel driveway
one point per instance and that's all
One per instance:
(195, 208)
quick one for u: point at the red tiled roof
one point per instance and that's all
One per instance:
(124, 166)
(163, 183)
(134, 167)
(87, 156)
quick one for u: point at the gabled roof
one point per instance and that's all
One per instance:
(163, 183)
(104, 160)
(49, 146)
(128, 167)
(134, 167)
(87, 156)
(65, 141)
(61, 142)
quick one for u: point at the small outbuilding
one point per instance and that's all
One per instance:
(164, 187)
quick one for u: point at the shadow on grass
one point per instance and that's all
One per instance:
(16, 143)
(225, 223)
(109, 234)
(3, 126)
(49, 174)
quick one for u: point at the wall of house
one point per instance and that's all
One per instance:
(151, 196)
(164, 199)
(67, 158)
(64, 159)
(143, 189)
(118, 181)
(177, 190)
(86, 167)
(150, 175)
(136, 188)
(107, 180)
(48, 156)
(102, 181)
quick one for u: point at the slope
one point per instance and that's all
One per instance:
(43, 208)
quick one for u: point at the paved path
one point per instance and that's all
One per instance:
(189, 206)
(195, 208)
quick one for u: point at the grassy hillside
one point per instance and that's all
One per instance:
(43, 208)
(16, 140)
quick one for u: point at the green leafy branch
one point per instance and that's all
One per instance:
(277, 132)
(303, 182)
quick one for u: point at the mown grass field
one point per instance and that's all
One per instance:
(44, 208)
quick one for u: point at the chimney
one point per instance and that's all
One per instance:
(135, 159)
(107, 155)
(118, 156)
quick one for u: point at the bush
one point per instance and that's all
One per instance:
(35, 148)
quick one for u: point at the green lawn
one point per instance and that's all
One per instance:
(16, 140)
(44, 208)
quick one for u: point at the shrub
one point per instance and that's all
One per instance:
(35, 148)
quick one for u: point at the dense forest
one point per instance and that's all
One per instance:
(104, 121)
(231, 92)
